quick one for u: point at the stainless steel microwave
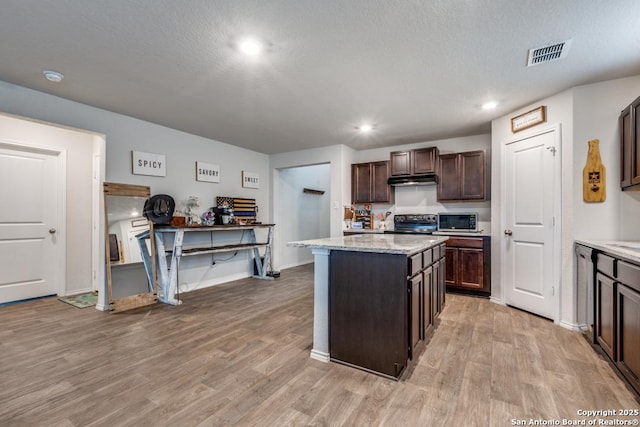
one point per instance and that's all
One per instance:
(458, 221)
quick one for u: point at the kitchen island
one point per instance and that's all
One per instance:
(376, 297)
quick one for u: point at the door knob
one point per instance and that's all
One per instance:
(508, 232)
(52, 231)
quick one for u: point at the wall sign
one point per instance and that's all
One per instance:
(207, 172)
(148, 164)
(528, 119)
(250, 180)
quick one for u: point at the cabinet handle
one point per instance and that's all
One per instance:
(52, 231)
(508, 232)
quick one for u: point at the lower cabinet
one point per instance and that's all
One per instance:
(468, 265)
(605, 329)
(616, 327)
(628, 334)
(382, 306)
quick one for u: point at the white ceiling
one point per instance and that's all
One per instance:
(418, 69)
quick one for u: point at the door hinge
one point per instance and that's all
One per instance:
(553, 221)
(553, 290)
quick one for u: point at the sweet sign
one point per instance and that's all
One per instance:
(250, 180)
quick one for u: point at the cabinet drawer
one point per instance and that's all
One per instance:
(465, 242)
(427, 257)
(436, 253)
(415, 264)
(604, 264)
(629, 274)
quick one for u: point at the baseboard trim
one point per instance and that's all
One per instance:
(320, 356)
(496, 301)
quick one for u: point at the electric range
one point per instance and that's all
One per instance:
(414, 224)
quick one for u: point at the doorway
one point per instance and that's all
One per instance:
(30, 150)
(300, 214)
(31, 241)
(531, 223)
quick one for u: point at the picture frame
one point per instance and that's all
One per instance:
(530, 118)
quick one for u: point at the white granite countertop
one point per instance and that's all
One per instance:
(406, 244)
(624, 249)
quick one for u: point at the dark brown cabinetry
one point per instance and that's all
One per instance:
(616, 326)
(414, 162)
(468, 265)
(462, 177)
(630, 147)
(369, 182)
(605, 297)
(380, 307)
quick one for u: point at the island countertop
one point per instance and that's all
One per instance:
(407, 244)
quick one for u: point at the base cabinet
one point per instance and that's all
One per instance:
(381, 307)
(628, 334)
(605, 329)
(616, 327)
(468, 265)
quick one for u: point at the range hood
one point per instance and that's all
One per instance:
(405, 181)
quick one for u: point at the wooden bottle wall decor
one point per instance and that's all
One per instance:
(594, 175)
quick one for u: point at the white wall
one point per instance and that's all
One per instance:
(124, 134)
(302, 216)
(79, 147)
(597, 108)
(584, 113)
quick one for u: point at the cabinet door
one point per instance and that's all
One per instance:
(451, 273)
(361, 183)
(605, 329)
(628, 334)
(626, 145)
(424, 160)
(380, 190)
(400, 163)
(427, 318)
(448, 177)
(635, 148)
(470, 273)
(442, 287)
(415, 285)
(472, 175)
(435, 290)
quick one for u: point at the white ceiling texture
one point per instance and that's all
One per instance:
(419, 70)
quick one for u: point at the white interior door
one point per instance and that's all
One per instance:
(28, 223)
(529, 223)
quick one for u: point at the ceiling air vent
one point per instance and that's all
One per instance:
(541, 55)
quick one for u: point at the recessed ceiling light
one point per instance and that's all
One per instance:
(53, 76)
(365, 128)
(489, 105)
(251, 46)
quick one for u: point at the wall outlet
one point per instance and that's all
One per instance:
(336, 204)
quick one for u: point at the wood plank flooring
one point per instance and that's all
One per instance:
(238, 354)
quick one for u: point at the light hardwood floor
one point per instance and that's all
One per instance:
(238, 354)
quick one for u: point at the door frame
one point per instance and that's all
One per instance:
(60, 274)
(557, 212)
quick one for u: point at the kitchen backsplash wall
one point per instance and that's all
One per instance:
(422, 199)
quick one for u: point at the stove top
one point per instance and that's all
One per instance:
(415, 223)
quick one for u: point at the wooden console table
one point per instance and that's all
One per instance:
(168, 259)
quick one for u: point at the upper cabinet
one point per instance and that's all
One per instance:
(414, 162)
(462, 177)
(369, 182)
(630, 147)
